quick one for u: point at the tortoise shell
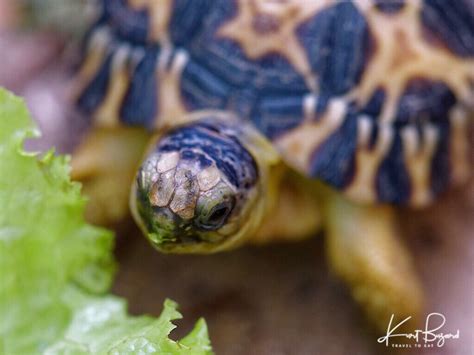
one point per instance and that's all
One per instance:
(372, 97)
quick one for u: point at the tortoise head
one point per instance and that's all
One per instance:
(200, 189)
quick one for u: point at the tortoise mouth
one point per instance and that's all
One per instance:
(183, 242)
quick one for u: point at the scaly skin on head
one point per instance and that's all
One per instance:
(205, 186)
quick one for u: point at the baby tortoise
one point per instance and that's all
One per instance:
(271, 119)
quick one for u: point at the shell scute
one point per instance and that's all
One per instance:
(139, 105)
(96, 90)
(450, 24)
(338, 45)
(127, 22)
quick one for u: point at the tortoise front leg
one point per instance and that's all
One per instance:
(365, 251)
(105, 163)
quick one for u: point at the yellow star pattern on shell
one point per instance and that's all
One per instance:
(402, 54)
(263, 27)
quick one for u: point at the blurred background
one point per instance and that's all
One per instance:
(280, 299)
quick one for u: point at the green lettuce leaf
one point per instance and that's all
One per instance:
(55, 269)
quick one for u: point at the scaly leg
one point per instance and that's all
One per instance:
(105, 163)
(365, 251)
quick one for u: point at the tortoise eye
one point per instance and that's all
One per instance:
(218, 214)
(216, 217)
